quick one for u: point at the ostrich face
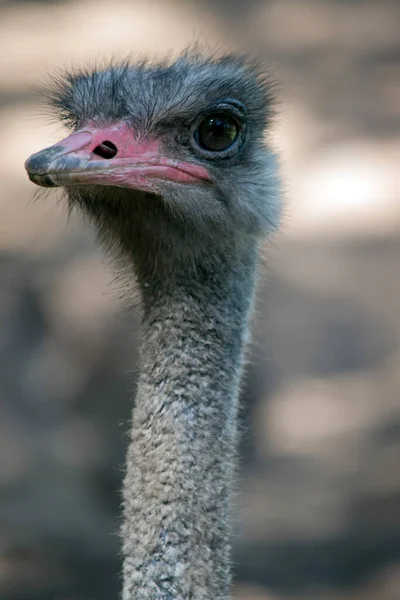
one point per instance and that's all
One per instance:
(187, 138)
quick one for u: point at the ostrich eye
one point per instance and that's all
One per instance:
(217, 133)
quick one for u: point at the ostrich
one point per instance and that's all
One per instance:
(170, 163)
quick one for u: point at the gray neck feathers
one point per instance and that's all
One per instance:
(181, 460)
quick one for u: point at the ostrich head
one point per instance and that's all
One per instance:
(168, 158)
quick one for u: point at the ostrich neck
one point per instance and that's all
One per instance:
(181, 459)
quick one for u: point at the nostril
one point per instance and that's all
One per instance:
(106, 150)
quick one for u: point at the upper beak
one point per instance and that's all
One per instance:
(109, 156)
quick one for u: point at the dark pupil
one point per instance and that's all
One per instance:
(217, 133)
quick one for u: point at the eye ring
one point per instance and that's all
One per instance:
(217, 134)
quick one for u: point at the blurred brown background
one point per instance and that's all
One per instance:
(319, 511)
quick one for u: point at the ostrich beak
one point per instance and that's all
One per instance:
(110, 156)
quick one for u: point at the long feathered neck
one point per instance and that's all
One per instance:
(181, 460)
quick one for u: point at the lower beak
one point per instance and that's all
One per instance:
(110, 156)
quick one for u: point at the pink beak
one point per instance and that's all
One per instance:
(110, 156)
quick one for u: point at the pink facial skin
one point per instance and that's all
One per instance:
(137, 164)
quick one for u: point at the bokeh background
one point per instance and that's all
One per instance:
(319, 510)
